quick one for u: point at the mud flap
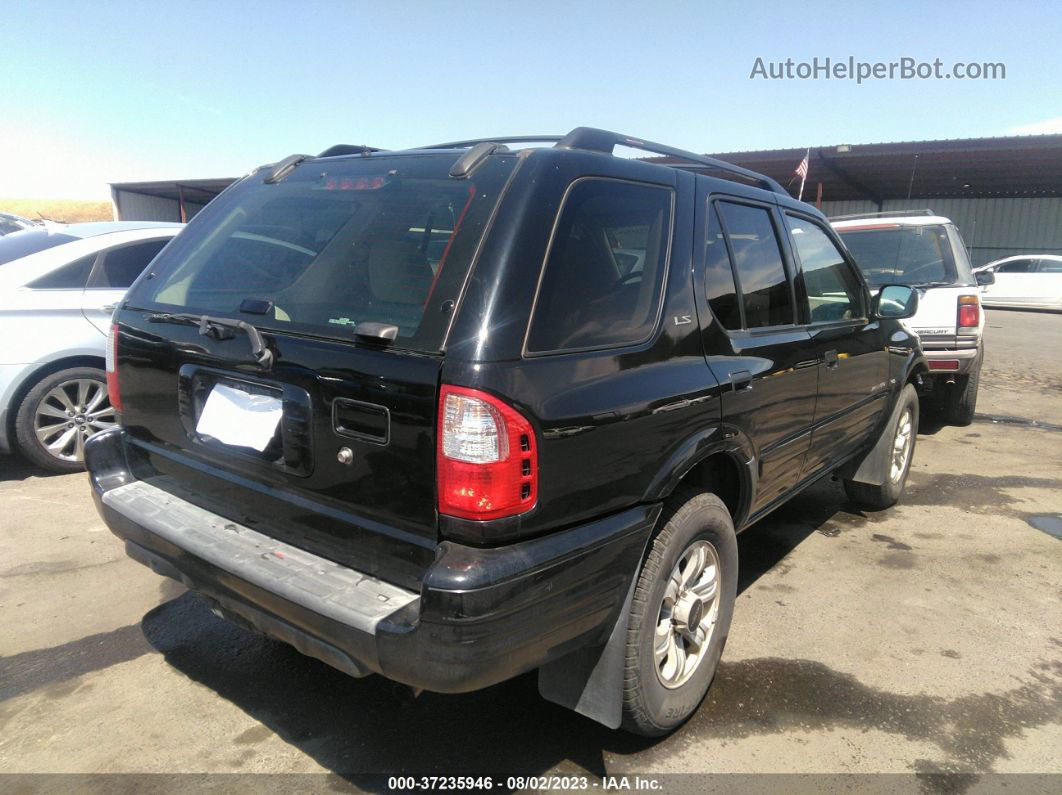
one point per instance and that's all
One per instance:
(873, 468)
(590, 680)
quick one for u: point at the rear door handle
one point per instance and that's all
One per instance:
(831, 359)
(740, 380)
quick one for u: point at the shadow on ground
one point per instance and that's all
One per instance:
(13, 467)
(356, 727)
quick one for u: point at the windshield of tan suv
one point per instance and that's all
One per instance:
(334, 244)
(894, 253)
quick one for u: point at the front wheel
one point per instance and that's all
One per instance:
(59, 414)
(680, 615)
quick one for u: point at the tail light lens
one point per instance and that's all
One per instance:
(969, 311)
(112, 368)
(487, 461)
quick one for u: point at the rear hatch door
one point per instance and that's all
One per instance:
(348, 271)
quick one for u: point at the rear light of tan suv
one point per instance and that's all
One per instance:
(969, 312)
(487, 461)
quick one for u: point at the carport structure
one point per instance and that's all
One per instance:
(166, 200)
(1005, 194)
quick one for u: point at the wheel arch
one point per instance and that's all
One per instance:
(44, 369)
(717, 460)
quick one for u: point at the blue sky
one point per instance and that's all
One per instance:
(111, 91)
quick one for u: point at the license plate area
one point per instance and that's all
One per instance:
(290, 449)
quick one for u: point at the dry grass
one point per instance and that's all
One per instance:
(68, 211)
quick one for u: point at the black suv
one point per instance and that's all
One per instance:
(456, 413)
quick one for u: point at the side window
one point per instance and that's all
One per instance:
(719, 275)
(69, 277)
(1050, 266)
(761, 277)
(602, 281)
(121, 266)
(833, 289)
(1016, 266)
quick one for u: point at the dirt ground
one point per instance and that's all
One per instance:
(922, 639)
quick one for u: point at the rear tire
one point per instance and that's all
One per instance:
(874, 497)
(50, 427)
(960, 402)
(667, 673)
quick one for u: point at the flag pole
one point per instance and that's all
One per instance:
(803, 179)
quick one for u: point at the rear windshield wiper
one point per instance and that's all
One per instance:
(220, 328)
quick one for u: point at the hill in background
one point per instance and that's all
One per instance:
(68, 211)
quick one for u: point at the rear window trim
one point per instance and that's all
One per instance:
(666, 265)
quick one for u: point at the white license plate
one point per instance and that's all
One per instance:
(239, 418)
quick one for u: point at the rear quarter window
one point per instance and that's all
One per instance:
(602, 282)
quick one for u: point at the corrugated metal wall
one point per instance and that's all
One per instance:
(992, 228)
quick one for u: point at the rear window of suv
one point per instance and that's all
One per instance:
(906, 254)
(335, 243)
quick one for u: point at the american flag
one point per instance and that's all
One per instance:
(802, 169)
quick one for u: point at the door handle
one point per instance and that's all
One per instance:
(831, 359)
(740, 380)
(108, 308)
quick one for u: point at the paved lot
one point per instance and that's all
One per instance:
(925, 638)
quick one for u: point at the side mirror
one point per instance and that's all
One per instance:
(985, 278)
(896, 302)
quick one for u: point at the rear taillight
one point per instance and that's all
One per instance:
(487, 462)
(969, 311)
(112, 368)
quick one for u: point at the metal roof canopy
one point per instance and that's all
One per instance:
(974, 168)
(197, 190)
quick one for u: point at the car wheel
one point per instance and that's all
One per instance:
(59, 414)
(680, 615)
(876, 497)
(960, 402)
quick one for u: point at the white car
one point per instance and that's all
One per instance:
(924, 250)
(58, 286)
(1030, 282)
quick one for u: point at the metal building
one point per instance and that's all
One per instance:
(1005, 194)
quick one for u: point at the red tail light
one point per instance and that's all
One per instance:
(112, 368)
(487, 461)
(969, 311)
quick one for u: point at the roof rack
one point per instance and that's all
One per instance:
(883, 214)
(512, 139)
(349, 149)
(588, 138)
(604, 141)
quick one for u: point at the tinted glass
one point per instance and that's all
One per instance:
(29, 241)
(7, 227)
(121, 266)
(833, 289)
(602, 280)
(69, 277)
(1050, 266)
(1017, 266)
(333, 244)
(761, 275)
(915, 255)
(719, 275)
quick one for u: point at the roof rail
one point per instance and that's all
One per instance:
(882, 214)
(349, 149)
(511, 139)
(604, 141)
